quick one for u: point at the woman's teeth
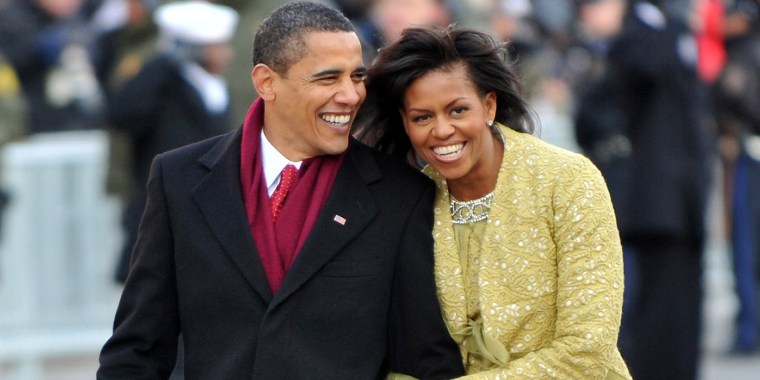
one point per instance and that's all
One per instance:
(448, 150)
(336, 119)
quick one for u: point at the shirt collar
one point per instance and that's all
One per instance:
(273, 162)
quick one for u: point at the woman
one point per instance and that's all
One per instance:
(528, 259)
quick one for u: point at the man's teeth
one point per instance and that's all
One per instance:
(336, 119)
(449, 149)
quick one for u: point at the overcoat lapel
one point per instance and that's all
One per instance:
(347, 211)
(220, 199)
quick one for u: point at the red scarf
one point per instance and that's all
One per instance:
(278, 242)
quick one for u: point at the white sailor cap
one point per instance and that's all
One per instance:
(196, 22)
(515, 8)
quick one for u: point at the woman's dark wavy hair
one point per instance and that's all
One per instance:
(421, 50)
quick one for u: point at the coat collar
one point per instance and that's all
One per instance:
(220, 199)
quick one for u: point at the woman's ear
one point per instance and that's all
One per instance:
(490, 105)
(263, 78)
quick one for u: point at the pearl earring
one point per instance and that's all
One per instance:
(489, 123)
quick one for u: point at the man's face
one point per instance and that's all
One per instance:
(60, 9)
(217, 57)
(316, 101)
(602, 19)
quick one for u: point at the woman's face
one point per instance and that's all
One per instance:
(446, 121)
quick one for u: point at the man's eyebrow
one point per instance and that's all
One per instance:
(331, 72)
(326, 73)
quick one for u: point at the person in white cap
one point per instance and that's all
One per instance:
(180, 96)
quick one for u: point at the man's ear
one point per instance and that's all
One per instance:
(263, 78)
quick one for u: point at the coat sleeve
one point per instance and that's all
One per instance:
(419, 343)
(146, 327)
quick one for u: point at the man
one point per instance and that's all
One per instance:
(337, 283)
(178, 97)
(662, 213)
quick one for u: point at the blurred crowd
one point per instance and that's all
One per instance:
(658, 94)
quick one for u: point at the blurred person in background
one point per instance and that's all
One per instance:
(556, 19)
(12, 125)
(737, 92)
(358, 11)
(119, 25)
(58, 49)
(667, 117)
(393, 16)
(598, 119)
(598, 116)
(179, 96)
(382, 21)
(538, 34)
(513, 21)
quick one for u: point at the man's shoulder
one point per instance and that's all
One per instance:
(392, 168)
(157, 70)
(199, 149)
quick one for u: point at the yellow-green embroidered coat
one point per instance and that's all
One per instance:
(538, 293)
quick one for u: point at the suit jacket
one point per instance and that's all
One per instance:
(359, 299)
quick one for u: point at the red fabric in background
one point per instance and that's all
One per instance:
(712, 52)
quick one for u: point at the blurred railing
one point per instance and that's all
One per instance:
(57, 251)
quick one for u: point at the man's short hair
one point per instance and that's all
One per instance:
(280, 41)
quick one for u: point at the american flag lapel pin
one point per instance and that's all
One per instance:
(340, 220)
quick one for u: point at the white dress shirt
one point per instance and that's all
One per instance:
(273, 163)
